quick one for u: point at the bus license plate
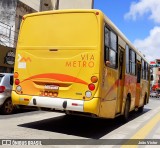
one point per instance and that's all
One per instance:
(51, 87)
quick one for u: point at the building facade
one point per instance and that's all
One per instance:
(75, 4)
(155, 75)
(11, 12)
(7, 22)
(7, 57)
(34, 4)
(21, 10)
(65, 4)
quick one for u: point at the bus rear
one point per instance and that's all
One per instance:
(57, 61)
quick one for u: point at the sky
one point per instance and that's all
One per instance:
(139, 21)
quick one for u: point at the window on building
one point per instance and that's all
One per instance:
(111, 47)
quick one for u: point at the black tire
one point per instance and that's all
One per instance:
(140, 109)
(7, 107)
(126, 111)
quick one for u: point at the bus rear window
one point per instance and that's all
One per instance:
(67, 29)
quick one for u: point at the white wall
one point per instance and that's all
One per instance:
(7, 16)
(34, 4)
(75, 4)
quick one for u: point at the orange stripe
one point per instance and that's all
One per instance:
(60, 77)
(112, 88)
(117, 83)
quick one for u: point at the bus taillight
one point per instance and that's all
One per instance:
(16, 75)
(94, 79)
(19, 88)
(88, 94)
(91, 86)
(16, 82)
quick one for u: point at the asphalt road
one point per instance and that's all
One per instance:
(51, 125)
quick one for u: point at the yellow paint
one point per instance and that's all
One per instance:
(92, 106)
(64, 42)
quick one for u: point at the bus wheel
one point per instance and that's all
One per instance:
(126, 111)
(140, 109)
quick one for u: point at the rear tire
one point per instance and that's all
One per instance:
(126, 111)
(140, 109)
(7, 107)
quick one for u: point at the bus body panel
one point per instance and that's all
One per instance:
(58, 54)
(38, 76)
(57, 62)
(109, 93)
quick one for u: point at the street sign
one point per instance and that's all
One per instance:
(154, 65)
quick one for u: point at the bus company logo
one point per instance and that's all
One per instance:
(86, 60)
(23, 59)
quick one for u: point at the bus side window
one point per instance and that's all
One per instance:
(127, 59)
(106, 44)
(110, 48)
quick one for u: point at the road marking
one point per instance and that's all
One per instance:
(144, 131)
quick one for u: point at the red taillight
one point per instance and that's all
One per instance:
(2, 89)
(91, 87)
(17, 81)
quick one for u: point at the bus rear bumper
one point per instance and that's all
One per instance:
(63, 104)
(57, 103)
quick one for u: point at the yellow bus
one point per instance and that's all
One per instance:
(79, 62)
